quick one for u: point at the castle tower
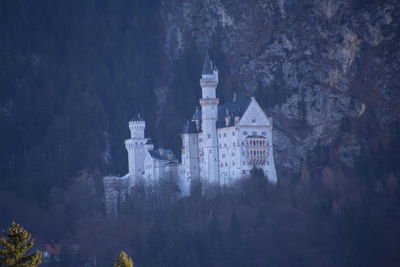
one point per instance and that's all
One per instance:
(209, 106)
(190, 157)
(136, 147)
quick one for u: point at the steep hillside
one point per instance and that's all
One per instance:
(327, 71)
(74, 72)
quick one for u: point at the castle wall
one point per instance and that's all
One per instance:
(229, 154)
(217, 156)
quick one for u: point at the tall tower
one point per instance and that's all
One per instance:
(136, 147)
(209, 107)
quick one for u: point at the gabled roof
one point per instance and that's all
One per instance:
(52, 249)
(149, 142)
(189, 127)
(197, 114)
(232, 109)
(166, 155)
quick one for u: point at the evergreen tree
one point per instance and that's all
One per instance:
(15, 245)
(123, 260)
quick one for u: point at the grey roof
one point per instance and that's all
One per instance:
(189, 127)
(149, 142)
(232, 109)
(167, 155)
(208, 66)
(197, 114)
(137, 117)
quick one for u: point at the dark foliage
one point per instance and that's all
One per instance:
(253, 223)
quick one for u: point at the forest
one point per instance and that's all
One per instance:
(308, 222)
(72, 73)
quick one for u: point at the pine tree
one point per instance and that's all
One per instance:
(14, 247)
(124, 260)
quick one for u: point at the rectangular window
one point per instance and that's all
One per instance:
(224, 134)
(253, 120)
(208, 136)
(245, 133)
(233, 133)
(263, 133)
(254, 133)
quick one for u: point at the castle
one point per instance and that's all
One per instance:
(221, 144)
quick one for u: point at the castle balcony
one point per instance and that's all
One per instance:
(256, 150)
(209, 102)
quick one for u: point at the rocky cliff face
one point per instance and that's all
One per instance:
(73, 74)
(327, 71)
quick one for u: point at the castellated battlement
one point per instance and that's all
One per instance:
(137, 124)
(209, 80)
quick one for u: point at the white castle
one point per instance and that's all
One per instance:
(221, 144)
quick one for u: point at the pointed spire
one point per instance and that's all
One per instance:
(137, 117)
(208, 66)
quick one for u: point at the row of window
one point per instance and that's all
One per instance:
(244, 133)
(136, 144)
(258, 161)
(224, 134)
(256, 142)
(255, 133)
(222, 164)
(225, 145)
(256, 153)
(233, 154)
